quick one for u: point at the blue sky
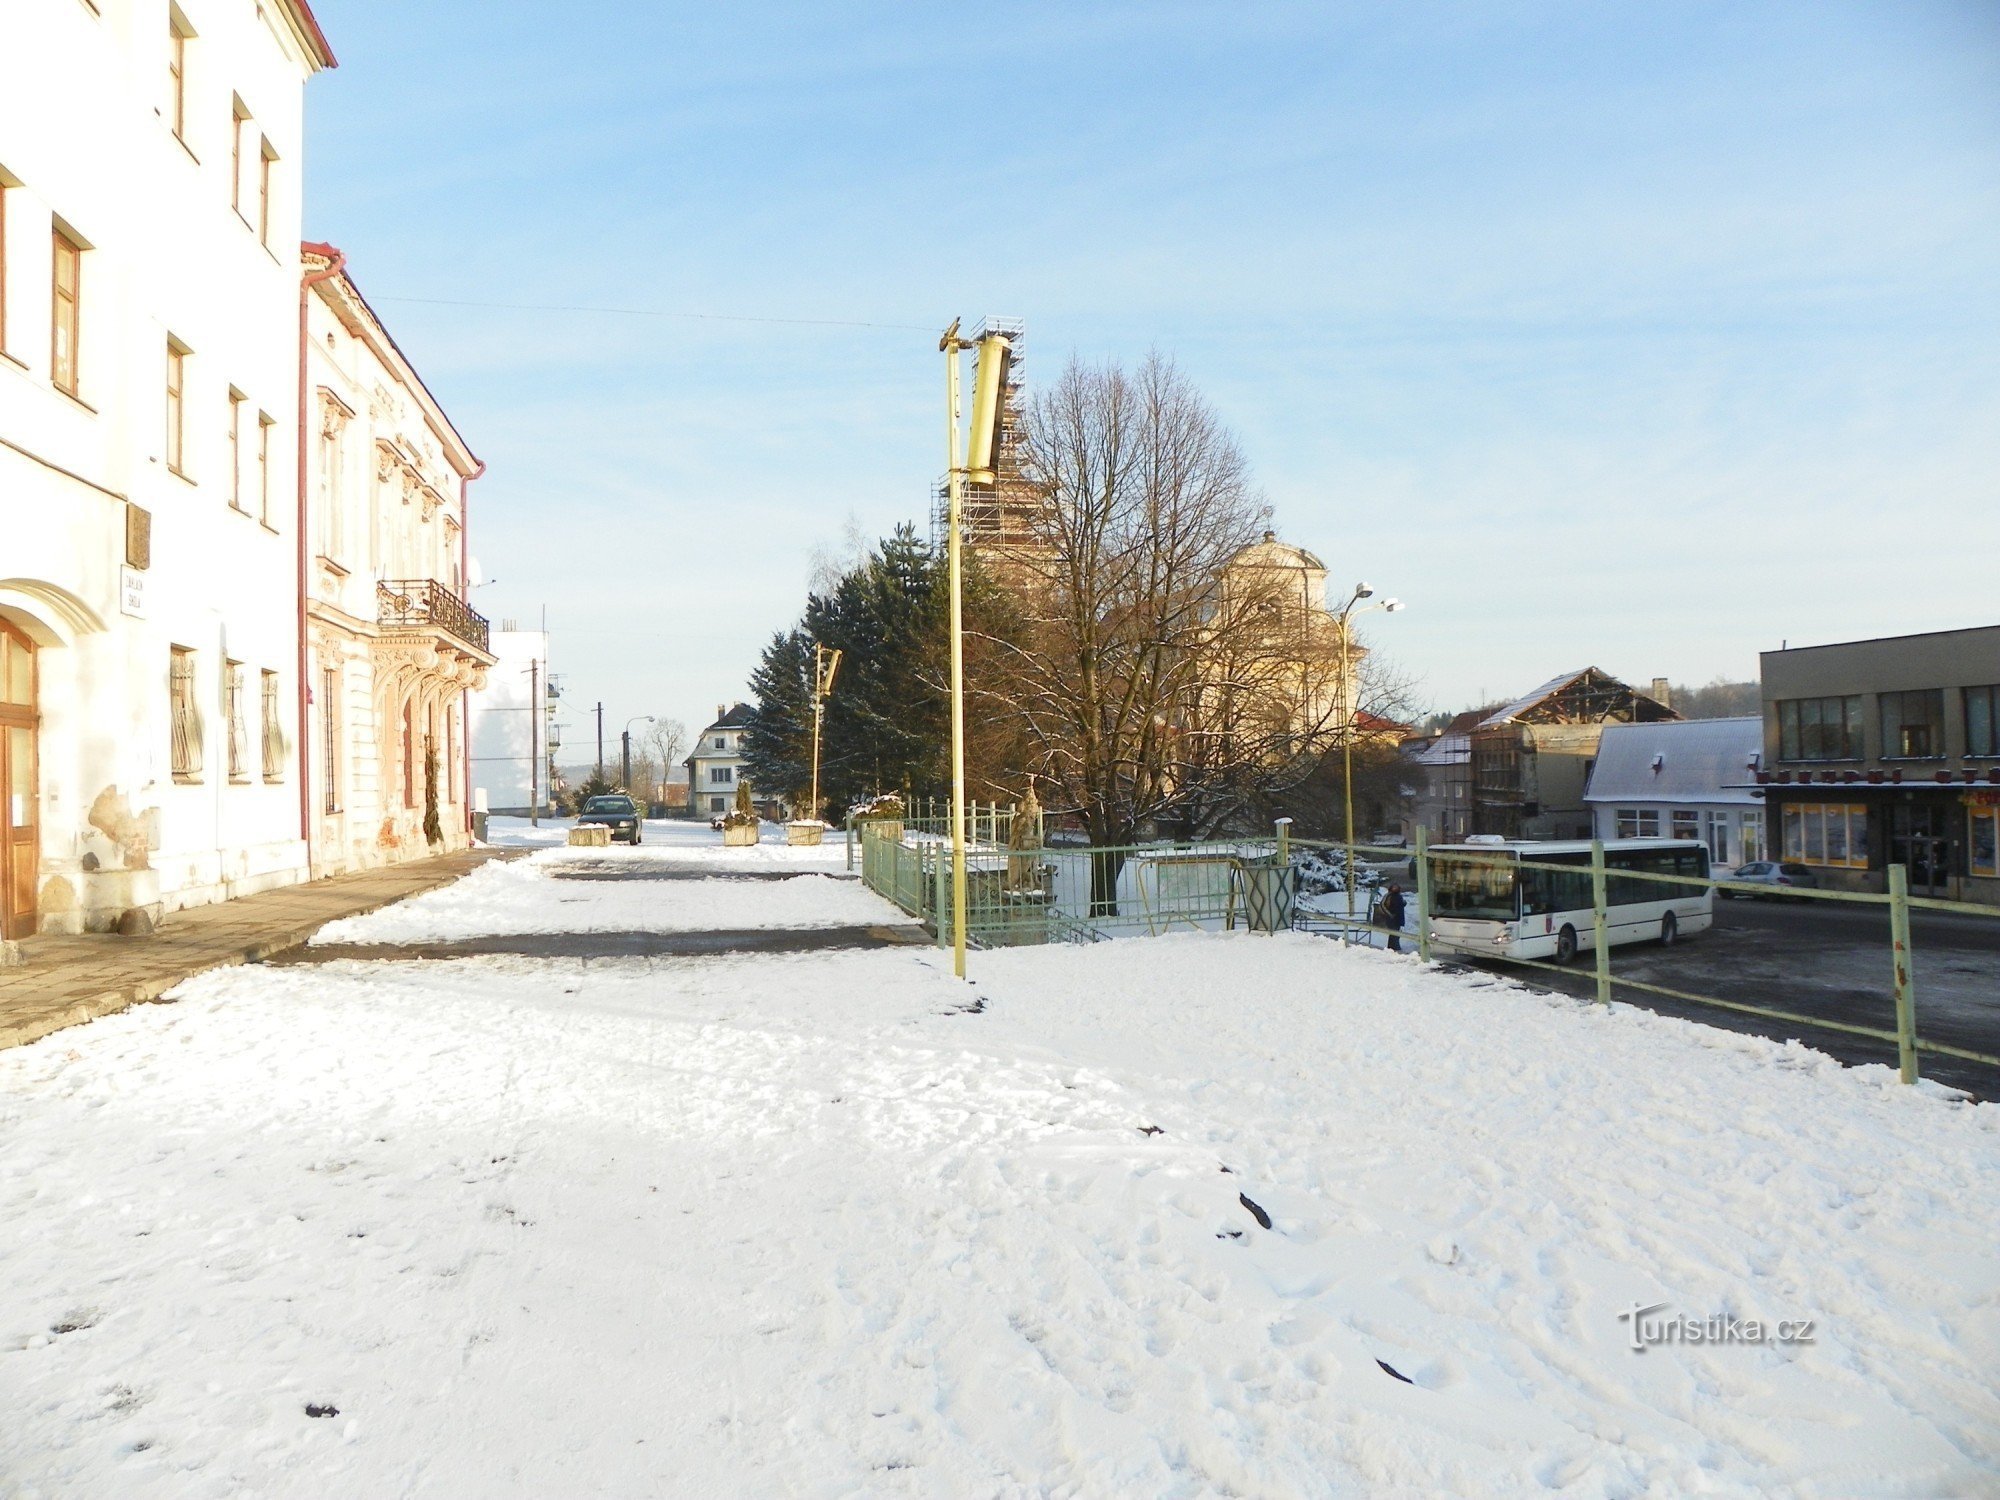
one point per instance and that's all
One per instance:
(1639, 336)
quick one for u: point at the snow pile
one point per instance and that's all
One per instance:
(836, 1224)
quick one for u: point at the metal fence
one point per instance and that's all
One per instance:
(1083, 894)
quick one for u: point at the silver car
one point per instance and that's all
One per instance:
(1773, 873)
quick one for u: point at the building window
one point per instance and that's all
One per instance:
(718, 804)
(721, 775)
(721, 742)
(1638, 822)
(239, 734)
(239, 130)
(1753, 837)
(236, 400)
(1913, 725)
(1982, 721)
(178, 33)
(1983, 843)
(265, 156)
(409, 754)
(176, 406)
(274, 729)
(185, 757)
(264, 426)
(1820, 728)
(65, 313)
(329, 738)
(1685, 823)
(1826, 833)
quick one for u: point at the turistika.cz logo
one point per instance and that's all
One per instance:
(1648, 1329)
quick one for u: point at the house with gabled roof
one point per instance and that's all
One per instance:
(1531, 759)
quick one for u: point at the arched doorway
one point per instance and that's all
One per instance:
(20, 821)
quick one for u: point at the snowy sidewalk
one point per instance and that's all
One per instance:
(65, 981)
(834, 1224)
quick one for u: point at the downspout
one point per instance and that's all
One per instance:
(465, 694)
(310, 280)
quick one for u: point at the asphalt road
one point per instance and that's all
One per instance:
(1822, 959)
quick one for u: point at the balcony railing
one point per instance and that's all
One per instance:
(425, 601)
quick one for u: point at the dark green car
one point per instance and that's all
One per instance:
(619, 814)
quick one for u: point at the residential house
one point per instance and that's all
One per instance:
(1886, 752)
(1682, 779)
(1531, 759)
(393, 646)
(715, 764)
(151, 649)
(1440, 768)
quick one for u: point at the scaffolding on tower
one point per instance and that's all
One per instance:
(998, 518)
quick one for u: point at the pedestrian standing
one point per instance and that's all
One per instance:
(1392, 916)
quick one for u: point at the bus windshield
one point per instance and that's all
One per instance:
(1478, 885)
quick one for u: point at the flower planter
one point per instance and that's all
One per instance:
(884, 828)
(741, 837)
(808, 834)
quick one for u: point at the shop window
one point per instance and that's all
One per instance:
(1826, 833)
(1913, 725)
(1983, 843)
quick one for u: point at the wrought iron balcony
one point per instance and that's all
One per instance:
(425, 601)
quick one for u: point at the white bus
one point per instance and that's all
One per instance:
(1484, 903)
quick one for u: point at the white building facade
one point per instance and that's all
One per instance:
(393, 648)
(715, 765)
(1682, 779)
(150, 210)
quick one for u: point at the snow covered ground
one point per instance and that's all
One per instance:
(836, 1225)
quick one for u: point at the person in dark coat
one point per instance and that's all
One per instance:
(1391, 916)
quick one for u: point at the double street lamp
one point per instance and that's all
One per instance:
(1343, 617)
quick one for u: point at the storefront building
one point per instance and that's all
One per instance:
(1886, 752)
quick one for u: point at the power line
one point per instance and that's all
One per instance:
(654, 312)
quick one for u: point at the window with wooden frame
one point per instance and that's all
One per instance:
(1982, 721)
(178, 32)
(3, 266)
(1820, 728)
(177, 353)
(265, 157)
(65, 312)
(239, 734)
(185, 718)
(329, 739)
(236, 400)
(264, 426)
(239, 130)
(1913, 725)
(273, 725)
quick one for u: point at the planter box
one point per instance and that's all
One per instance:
(883, 828)
(739, 838)
(590, 836)
(808, 834)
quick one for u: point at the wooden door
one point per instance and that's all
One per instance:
(20, 831)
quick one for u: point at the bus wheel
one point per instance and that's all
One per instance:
(1670, 929)
(1566, 945)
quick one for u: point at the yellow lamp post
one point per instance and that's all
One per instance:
(825, 664)
(989, 382)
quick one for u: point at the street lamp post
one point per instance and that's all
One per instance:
(1347, 612)
(625, 749)
(982, 443)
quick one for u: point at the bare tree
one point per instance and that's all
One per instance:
(1158, 676)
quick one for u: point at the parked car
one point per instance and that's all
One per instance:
(1771, 873)
(619, 814)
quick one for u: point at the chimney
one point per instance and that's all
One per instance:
(1663, 692)
(721, 709)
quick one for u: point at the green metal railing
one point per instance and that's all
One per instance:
(1065, 894)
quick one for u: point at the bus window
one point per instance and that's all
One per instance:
(1544, 892)
(1473, 886)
